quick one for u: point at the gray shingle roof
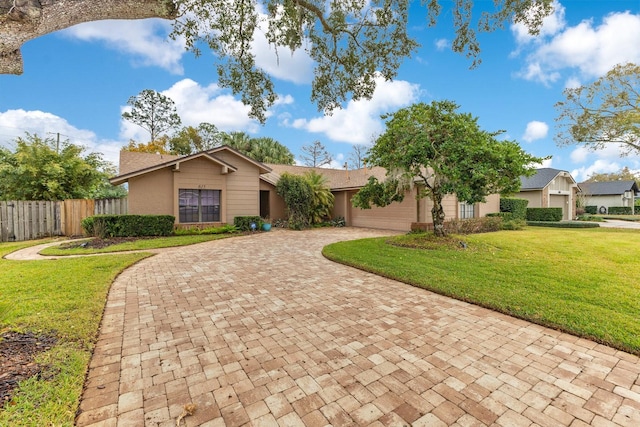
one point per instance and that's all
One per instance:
(540, 180)
(608, 187)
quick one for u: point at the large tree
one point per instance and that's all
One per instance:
(262, 149)
(315, 155)
(42, 169)
(153, 112)
(350, 41)
(442, 151)
(624, 174)
(604, 112)
(192, 140)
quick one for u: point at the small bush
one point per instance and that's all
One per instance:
(517, 207)
(620, 210)
(514, 224)
(474, 225)
(338, 222)
(243, 223)
(128, 225)
(593, 218)
(228, 228)
(591, 209)
(564, 224)
(544, 214)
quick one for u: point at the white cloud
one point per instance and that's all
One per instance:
(197, 104)
(360, 120)
(551, 25)
(607, 160)
(145, 40)
(535, 130)
(442, 44)
(14, 123)
(590, 49)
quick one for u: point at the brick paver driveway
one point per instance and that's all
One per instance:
(262, 330)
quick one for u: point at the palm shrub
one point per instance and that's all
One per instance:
(322, 197)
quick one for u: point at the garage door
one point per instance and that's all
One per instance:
(560, 201)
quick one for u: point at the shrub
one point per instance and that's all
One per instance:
(591, 209)
(517, 207)
(514, 224)
(228, 228)
(298, 196)
(588, 217)
(620, 210)
(564, 224)
(243, 223)
(338, 222)
(544, 214)
(128, 225)
(474, 225)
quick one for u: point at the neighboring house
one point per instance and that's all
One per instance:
(222, 183)
(550, 188)
(609, 194)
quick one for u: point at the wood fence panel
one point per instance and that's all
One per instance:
(24, 220)
(111, 206)
(72, 213)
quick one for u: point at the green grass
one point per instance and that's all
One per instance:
(623, 217)
(64, 298)
(580, 281)
(137, 245)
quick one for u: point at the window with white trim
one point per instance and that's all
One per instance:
(467, 210)
(199, 205)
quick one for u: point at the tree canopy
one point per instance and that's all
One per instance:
(351, 42)
(442, 151)
(624, 174)
(152, 111)
(604, 112)
(40, 169)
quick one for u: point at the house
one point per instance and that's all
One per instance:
(550, 188)
(609, 194)
(217, 185)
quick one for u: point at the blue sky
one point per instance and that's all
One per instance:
(77, 81)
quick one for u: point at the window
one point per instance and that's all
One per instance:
(199, 205)
(466, 210)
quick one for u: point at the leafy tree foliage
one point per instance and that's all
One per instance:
(351, 42)
(604, 112)
(263, 149)
(153, 112)
(298, 197)
(158, 146)
(624, 174)
(315, 155)
(193, 140)
(39, 169)
(322, 198)
(443, 152)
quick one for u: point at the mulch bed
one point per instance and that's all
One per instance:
(97, 243)
(17, 354)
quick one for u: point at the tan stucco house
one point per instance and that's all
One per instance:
(550, 188)
(217, 185)
(609, 194)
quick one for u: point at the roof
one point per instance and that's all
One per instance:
(608, 188)
(134, 164)
(541, 179)
(337, 179)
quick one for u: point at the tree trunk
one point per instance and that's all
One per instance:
(437, 212)
(23, 20)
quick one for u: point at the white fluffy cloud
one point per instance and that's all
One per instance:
(607, 160)
(535, 130)
(145, 40)
(551, 25)
(197, 104)
(589, 48)
(360, 120)
(14, 123)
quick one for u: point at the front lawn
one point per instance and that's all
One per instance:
(64, 300)
(581, 281)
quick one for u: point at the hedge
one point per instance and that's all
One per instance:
(243, 223)
(517, 207)
(591, 209)
(563, 224)
(128, 225)
(544, 214)
(620, 210)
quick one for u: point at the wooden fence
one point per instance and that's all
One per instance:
(26, 220)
